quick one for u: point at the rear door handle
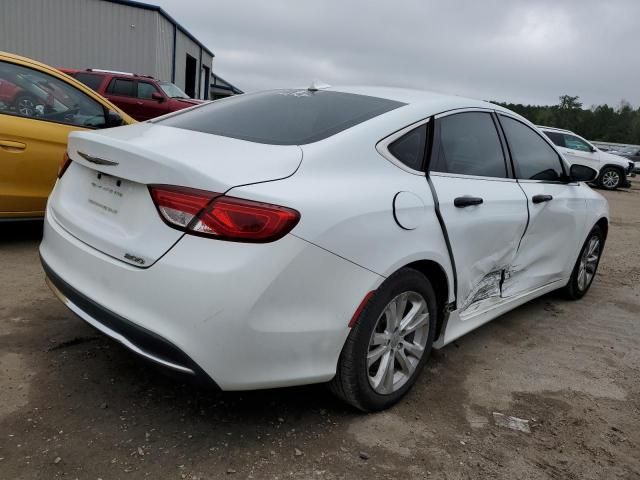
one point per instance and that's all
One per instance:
(466, 201)
(10, 146)
(541, 198)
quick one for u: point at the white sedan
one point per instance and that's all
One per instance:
(316, 235)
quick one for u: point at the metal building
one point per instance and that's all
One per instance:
(108, 34)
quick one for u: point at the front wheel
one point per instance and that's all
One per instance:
(390, 343)
(586, 266)
(610, 178)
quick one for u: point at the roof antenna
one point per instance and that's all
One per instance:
(318, 85)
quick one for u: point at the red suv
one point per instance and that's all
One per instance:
(141, 96)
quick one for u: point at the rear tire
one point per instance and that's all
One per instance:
(389, 344)
(586, 266)
(611, 178)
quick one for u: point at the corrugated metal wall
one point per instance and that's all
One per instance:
(80, 33)
(96, 34)
(164, 49)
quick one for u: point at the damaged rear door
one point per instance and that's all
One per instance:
(483, 208)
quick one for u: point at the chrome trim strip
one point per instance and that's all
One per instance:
(97, 160)
(463, 110)
(471, 177)
(110, 333)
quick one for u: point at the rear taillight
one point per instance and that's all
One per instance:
(214, 215)
(66, 161)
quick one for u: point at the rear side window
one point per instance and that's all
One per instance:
(91, 80)
(120, 86)
(409, 148)
(535, 158)
(282, 117)
(469, 145)
(556, 137)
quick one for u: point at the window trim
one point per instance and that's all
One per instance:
(547, 140)
(383, 146)
(506, 156)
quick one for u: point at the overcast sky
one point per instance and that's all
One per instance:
(528, 51)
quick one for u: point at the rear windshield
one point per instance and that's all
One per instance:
(282, 117)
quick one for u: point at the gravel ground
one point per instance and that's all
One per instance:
(75, 405)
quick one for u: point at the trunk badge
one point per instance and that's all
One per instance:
(96, 160)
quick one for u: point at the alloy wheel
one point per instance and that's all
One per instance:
(611, 179)
(26, 107)
(588, 263)
(397, 342)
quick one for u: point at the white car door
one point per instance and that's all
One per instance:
(482, 207)
(557, 211)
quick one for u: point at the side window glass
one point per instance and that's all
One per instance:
(535, 158)
(90, 80)
(409, 149)
(469, 145)
(121, 86)
(575, 143)
(30, 93)
(556, 137)
(145, 90)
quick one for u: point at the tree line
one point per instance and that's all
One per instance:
(599, 123)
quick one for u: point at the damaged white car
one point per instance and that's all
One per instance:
(316, 235)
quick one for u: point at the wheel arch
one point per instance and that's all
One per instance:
(603, 224)
(439, 280)
(614, 165)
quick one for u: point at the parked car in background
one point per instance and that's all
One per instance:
(317, 235)
(141, 96)
(612, 169)
(39, 106)
(633, 154)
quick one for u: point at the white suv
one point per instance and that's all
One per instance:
(612, 169)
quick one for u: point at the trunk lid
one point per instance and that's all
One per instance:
(103, 198)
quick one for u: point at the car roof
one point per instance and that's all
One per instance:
(428, 100)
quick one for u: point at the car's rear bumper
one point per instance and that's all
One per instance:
(248, 316)
(145, 343)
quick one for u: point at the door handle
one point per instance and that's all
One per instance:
(10, 146)
(466, 201)
(541, 198)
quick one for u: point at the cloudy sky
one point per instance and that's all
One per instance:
(528, 51)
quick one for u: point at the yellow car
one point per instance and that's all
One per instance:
(39, 106)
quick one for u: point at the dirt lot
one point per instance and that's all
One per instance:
(76, 405)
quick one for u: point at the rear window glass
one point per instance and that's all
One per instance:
(282, 117)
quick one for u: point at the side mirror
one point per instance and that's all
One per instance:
(582, 173)
(156, 96)
(113, 120)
